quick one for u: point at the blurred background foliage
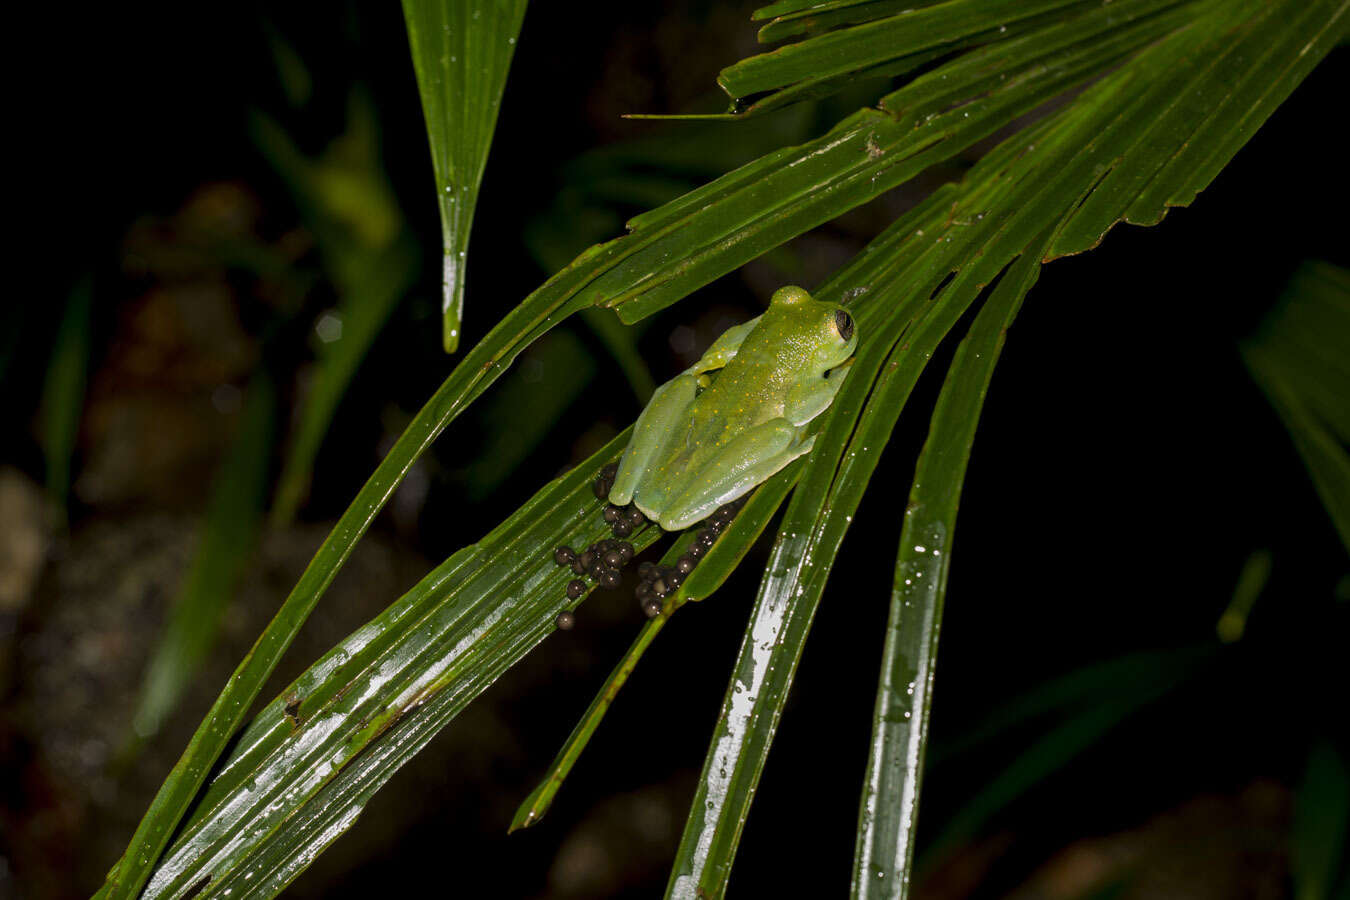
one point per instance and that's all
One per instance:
(1141, 680)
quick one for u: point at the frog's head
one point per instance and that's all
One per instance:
(827, 328)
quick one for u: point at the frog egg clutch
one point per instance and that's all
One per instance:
(603, 560)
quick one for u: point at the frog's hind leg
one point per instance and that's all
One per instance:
(665, 413)
(746, 461)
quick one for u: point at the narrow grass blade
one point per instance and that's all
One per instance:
(533, 807)
(889, 809)
(229, 533)
(461, 50)
(63, 392)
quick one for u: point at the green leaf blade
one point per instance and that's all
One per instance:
(876, 42)
(368, 704)
(461, 52)
(885, 844)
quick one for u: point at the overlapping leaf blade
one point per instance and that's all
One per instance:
(877, 42)
(890, 804)
(461, 50)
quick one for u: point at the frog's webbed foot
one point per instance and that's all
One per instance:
(747, 460)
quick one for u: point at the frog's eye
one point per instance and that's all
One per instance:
(843, 323)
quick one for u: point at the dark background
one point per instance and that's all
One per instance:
(1125, 469)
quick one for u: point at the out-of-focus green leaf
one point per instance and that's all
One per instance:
(461, 50)
(63, 391)
(345, 336)
(304, 769)
(229, 534)
(297, 84)
(1298, 358)
(1251, 581)
(343, 194)
(890, 801)
(1053, 750)
(369, 255)
(1065, 695)
(1321, 823)
(523, 410)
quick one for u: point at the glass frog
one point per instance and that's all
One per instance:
(738, 415)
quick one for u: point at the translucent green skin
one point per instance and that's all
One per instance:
(705, 440)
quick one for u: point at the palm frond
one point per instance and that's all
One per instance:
(461, 52)
(1027, 196)
(1032, 197)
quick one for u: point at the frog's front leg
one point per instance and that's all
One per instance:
(725, 348)
(747, 460)
(809, 399)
